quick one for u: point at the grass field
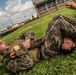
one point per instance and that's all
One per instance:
(59, 65)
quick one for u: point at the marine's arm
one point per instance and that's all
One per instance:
(36, 43)
(27, 35)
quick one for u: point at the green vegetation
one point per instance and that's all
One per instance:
(59, 65)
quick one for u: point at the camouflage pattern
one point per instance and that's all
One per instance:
(22, 61)
(58, 28)
(36, 43)
(27, 35)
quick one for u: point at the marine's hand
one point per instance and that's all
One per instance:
(13, 50)
(26, 43)
(71, 5)
(16, 48)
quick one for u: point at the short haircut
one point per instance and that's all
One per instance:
(66, 51)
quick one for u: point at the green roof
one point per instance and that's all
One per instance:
(39, 1)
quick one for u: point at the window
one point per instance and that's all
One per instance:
(60, 1)
(67, 0)
(42, 8)
(50, 5)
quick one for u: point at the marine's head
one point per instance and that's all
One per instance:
(3, 47)
(68, 45)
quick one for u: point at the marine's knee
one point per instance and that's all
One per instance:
(57, 26)
(58, 23)
(30, 62)
(56, 17)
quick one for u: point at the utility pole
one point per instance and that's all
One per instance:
(9, 19)
(56, 5)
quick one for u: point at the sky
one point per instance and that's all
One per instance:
(15, 11)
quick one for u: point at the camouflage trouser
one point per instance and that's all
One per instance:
(59, 27)
(21, 62)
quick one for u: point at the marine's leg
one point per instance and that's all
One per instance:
(70, 20)
(60, 16)
(56, 17)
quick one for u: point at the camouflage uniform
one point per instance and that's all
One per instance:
(58, 28)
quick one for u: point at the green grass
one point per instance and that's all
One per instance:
(59, 65)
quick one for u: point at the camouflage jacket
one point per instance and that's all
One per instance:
(22, 61)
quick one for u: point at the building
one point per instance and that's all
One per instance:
(44, 7)
(9, 29)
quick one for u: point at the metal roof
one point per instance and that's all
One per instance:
(40, 1)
